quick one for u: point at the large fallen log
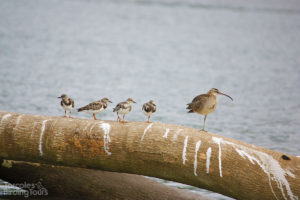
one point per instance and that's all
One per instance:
(171, 152)
(77, 183)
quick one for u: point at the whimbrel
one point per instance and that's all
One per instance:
(204, 104)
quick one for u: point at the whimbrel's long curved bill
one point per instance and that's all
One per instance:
(226, 95)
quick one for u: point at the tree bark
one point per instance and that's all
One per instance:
(56, 182)
(166, 151)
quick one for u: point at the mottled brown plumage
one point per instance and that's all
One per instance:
(123, 108)
(205, 103)
(149, 109)
(95, 107)
(67, 104)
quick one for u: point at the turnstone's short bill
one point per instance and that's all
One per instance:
(123, 108)
(149, 109)
(67, 104)
(95, 107)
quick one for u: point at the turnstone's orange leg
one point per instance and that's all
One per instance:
(70, 115)
(148, 119)
(65, 114)
(118, 119)
(94, 116)
(123, 119)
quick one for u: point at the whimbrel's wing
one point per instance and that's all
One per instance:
(201, 97)
(198, 103)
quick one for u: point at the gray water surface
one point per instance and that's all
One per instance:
(169, 51)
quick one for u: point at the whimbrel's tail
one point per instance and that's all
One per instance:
(189, 107)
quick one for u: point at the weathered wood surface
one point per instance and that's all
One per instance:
(88, 184)
(167, 151)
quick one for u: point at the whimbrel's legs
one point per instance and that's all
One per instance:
(94, 116)
(204, 124)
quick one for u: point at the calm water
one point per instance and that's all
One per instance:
(166, 50)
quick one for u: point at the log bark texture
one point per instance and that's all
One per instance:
(78, 183)
(166, 151)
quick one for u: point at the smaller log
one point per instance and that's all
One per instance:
(79, 183)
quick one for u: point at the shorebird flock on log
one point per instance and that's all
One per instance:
(278, 168)
(202, 104)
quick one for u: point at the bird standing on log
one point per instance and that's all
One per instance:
(95, 107)
(123, 108)
(149, 109)
(67, 104)
(204, 104)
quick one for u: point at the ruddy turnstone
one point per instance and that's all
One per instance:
(204, 104)
(67, 104)
(149, 109)
(123, 108)
(95, 107)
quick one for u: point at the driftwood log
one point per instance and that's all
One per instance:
(166, 151)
